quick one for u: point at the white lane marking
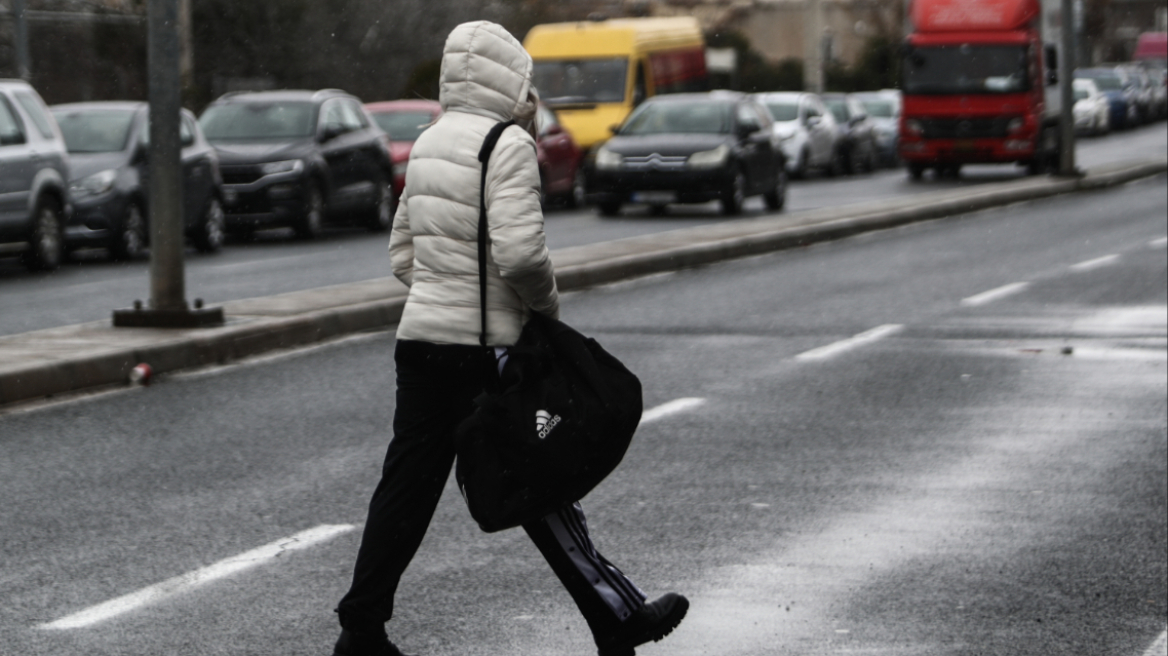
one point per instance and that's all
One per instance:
(994, 294)
(1159, 243)
(671, 408)
(835, 348)
(1160, 647)
(1095, 263)
(190, 580)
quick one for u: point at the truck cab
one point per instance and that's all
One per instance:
(981, 85)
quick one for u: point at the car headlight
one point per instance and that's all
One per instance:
(95, 184)
(708, 159)
(286, 166)
(608, 160)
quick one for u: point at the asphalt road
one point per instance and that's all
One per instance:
(945, 439)
(89, 289)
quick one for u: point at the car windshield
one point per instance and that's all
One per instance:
(403, 126)
(783, 111)
(879, 108)
(566, 82)
(966, 69)
(1107, 82)
(680, 118)
(95, 130)
(839, 109)
(258, 121)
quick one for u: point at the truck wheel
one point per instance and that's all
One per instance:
(46, 243)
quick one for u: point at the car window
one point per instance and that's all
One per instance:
(186, 132)
(747, 118)
(839, 109)
(36, 112)
(332, 117)
(257, 121)
(354, 118)
(783, 111)
(11, 129)
(680, 118)
(403, 126)
(95, 130)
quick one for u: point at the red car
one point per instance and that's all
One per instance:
(403, 121)
(559, 161)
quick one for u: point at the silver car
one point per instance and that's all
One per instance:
(806, 130)
(34, 175)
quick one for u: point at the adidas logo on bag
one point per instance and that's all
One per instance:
(545, 422)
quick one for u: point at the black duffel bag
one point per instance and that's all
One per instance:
(552, 425)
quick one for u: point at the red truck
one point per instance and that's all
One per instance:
(980, 85)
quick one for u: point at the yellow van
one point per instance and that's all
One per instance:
(594, 72)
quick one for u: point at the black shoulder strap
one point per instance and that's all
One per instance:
(485, 157)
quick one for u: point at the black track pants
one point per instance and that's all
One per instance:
(436, 386)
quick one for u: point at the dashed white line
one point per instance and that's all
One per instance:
(190, 580)
(1095, 263)
(1159, 243)
(994, 294)
(835, 348)
(671, 408)
(1160, 647)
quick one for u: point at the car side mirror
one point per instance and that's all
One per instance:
(330, 132)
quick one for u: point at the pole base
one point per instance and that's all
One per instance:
(185, 318)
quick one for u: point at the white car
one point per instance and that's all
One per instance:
(1092, 112)
(806, 131)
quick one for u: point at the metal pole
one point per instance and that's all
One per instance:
(1066, 75)
(167, 286)
(23, 69)
(813, 46)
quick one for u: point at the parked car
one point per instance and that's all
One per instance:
(690, 148)
(403, 121)
(108, 144)
(883, 108)
(806, 130)
(560, 173)
(856, 144)
(1124, 110)
(1092, 111)
(300, 159)
(34, 179)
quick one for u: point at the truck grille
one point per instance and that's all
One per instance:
(965, 128)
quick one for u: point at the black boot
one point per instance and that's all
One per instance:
(651, 623)
(372, 643)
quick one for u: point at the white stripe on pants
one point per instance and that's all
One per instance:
(617, 591)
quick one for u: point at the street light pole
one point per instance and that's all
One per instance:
(23, 69)
(168, 306)
(1066, 75)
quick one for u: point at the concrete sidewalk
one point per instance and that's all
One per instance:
(43, 363)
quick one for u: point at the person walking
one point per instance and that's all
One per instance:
(485, 79)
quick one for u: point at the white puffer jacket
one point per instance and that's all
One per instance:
(486, 78)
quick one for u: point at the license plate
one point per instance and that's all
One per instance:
(964, 145)
(654, 197)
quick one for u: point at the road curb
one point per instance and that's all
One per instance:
(112, 353)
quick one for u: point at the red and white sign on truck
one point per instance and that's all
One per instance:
(981, 84)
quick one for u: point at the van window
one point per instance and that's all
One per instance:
(11, 130)
(34, 109)
(565, 82)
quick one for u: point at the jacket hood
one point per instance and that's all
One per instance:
(486, 71)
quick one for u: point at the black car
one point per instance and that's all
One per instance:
(690, 148)
(857, 150)
(108, 143)
(34, 179)
(299, 159)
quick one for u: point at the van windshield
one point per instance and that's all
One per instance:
(568, 82)
(966, 68)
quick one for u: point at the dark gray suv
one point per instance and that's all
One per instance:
(299, 159)
(34, 174)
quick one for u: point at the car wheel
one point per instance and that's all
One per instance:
(609, 208)
(734, 195)
(836, 166)
(211, 231)
(381, 217)
(776, 198)
(46, 243)
(853, 163)
(312, 220)
(916, 171)
(577, 197)
(129, 241)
